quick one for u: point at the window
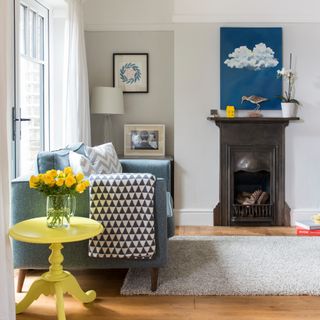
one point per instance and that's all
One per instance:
(31, 123)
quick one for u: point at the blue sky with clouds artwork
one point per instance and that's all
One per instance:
(249, 60)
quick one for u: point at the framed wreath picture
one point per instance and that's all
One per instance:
(130, 72)
(144, 140)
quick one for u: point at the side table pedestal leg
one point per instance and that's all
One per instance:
(37, 288)
(56, 282)
(72, 286)
(59, 301)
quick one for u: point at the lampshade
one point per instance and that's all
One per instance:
(107, 100)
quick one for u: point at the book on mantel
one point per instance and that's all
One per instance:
(308, 225)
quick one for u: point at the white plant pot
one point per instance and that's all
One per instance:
(289, 109)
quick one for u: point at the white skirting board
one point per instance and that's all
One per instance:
(204, 217)
(193, 217)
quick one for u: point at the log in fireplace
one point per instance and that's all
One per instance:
(252, 172)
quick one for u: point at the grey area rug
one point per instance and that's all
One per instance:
(234, 265)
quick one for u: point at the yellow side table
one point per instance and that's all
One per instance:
(56, 281)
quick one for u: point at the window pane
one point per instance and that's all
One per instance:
(22, 35)
(40, 37)
(32, 33)
(31, 102)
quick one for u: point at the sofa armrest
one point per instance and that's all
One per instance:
(160, 168)
(26, 203)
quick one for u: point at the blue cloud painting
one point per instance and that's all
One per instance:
(249, 60)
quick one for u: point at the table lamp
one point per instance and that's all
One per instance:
(107, 101)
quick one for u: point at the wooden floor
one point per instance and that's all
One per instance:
(111, 306)
(235, 231)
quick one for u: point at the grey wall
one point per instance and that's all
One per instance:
(153, 107)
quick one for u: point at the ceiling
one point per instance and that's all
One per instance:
(55, 3)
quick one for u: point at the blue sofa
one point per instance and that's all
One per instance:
(28, 203)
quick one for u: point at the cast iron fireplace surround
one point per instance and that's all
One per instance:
(252, 157)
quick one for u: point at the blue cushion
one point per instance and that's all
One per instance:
(58, 159)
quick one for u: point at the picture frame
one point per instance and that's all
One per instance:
(131, 72)
(144, 140)
(249, 60)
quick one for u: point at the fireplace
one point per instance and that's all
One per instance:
(252, 172)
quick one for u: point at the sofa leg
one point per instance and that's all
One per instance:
(154, 278)
(21, 277)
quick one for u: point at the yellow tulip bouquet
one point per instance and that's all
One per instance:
(60, 187)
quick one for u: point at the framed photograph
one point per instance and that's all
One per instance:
(130, 72)
(144, 140)
(250, 58)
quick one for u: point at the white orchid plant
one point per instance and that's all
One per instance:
(290, 76)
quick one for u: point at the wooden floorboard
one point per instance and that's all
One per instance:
(234, 231)
(110, 305)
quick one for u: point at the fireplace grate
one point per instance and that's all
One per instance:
(254, 211)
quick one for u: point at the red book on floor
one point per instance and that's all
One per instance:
(305, 232)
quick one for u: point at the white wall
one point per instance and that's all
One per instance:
(196, 82)
(197, 140)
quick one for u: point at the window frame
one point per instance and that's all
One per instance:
(44, 12)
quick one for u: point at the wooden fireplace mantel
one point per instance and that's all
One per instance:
(252, 144)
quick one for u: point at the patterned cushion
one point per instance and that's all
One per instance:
(104, 159)
(80, 163)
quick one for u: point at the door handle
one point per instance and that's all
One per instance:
(14, 120)
(22, 119)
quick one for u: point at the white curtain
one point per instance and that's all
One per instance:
(7, 305)
(76, 96)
